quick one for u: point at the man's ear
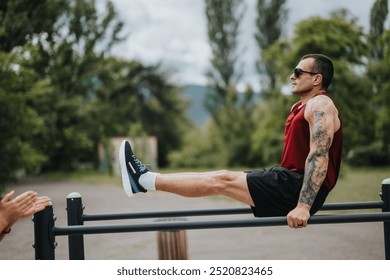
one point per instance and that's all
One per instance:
(317, 80)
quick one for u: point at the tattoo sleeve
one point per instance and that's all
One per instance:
(317, 161)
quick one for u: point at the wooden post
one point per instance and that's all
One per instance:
(172, 245)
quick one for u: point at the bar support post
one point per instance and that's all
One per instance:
(44, 240)
(386, 208)
(75, 208)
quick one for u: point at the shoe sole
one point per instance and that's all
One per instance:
(126, 178)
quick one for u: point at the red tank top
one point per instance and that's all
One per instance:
(297, 146)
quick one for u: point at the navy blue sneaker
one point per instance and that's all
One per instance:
(131, 169)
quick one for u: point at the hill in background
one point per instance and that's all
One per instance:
(196, 95)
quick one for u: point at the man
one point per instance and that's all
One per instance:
(309, 166)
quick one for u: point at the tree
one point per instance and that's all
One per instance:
(378, 16)
(270, 21)
(61, 94)
(223, 20)
(352, 48)
(378, 71)
(231, 111)
(218, 147)
(379, 62)
(83, 36)
(21, 24)
(233, 137)
(135, 100)
(267, 138)
(21, 21)
(18, 122)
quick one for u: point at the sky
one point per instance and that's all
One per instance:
(173, 33)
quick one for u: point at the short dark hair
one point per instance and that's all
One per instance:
(323, 65)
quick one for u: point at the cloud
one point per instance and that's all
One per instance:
(170, 32)
(174, 33)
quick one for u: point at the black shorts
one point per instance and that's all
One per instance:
(275, 192)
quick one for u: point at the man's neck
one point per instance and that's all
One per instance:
(306, 97)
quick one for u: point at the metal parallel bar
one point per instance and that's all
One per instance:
(386, 209)
(228, 211)
(255, 222)
(166, 214)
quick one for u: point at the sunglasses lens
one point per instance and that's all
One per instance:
(297, 72)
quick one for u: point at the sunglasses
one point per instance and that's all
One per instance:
(298, 71)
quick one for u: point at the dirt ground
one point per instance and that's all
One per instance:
(361, 241)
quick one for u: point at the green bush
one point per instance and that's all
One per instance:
(371, 155)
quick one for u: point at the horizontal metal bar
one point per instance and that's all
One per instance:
(212, 212)
(254, 222)
(165, 214)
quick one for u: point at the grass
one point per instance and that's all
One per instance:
(354, 184)
(359, 184)
(84, 176)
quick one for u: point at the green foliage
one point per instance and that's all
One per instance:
(199, 149)
(340, 38)
(353, 97)
(272, 16)
(18, 121)
(220, 146)
(223, 27)
(233, 136)
(379, 72)
(278, 58)
(81, 39)
(144, 102)
(21, 21)
(271, 110)
(267, 138)
(231, 110)
(372, 155)
(378, 151)
(377, 26)
(61, 94)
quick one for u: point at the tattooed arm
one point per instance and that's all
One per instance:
(323, 120)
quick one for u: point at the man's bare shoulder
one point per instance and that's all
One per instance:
(321, 103)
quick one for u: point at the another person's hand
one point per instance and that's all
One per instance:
(13, 209)
(40, 203)
(24, 205)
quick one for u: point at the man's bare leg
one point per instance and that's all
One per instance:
(229, 183)
(136, 177)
